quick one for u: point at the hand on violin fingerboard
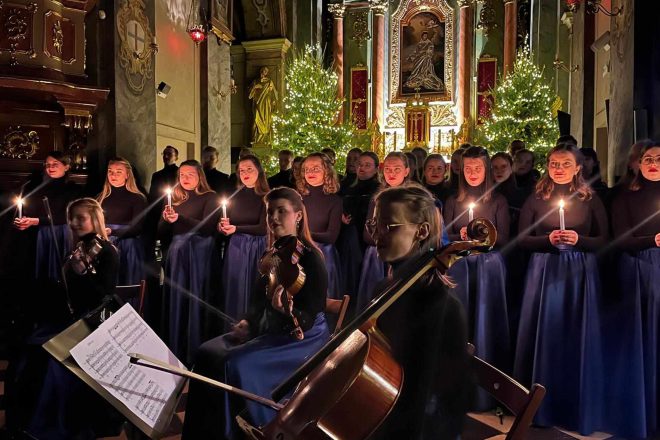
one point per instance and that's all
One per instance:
(276, 301)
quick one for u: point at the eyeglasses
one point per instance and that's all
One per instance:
(565, 165)
(395, 171)
(373, 227)
(312, 170)
(648, 160)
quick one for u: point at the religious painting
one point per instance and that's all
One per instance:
(422, 40)
(221, 19)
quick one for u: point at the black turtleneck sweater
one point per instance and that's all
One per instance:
(636, 216)
(247, 211)
(218, 181)
(59, 192)
(123, 207)
(456, 214)
(538, 218)
(324, 214)
(356, 200)
(282, 178)
(441, 191)
(161, 180)
(197, 212)
(348, 180)
(515, 198)
(527, 182)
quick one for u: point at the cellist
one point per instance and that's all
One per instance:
(426, 327)
(261, 351)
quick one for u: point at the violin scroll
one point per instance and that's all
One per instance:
(83, 256)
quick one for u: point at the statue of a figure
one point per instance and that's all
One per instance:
(264, 99)
(423, 73)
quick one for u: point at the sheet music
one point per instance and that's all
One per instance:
(104, 356)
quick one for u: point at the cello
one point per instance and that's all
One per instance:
(347, 389)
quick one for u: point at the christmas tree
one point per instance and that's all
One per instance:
(310, 108)
(523, 109)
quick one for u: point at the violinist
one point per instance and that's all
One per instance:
(261, 351)
(431, 346)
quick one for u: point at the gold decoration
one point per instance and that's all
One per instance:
(360, 27)
(263, 93)
(404, 10)
(487, 17)
(16, 29)
(262, 13)
(137, 44)
(379, 6)
(556, 106)
(338, 10)
(58, 36)
(19, 144)
(442, 115)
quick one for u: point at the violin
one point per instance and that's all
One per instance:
(83, 257)
(280, 264)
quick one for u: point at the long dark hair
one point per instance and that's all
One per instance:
(261, 186)
(486, 187)
(545, 185)
(406, 164)
(296, 201)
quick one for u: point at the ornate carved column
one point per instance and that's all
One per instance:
(465, 37)
(338, 11)
(379, 8)
(510, 34)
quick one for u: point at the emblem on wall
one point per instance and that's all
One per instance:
(137, 44)
(16, 23)
(19, 144)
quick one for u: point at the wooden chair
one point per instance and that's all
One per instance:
(127, 293)
(337, 307)
(523, 403)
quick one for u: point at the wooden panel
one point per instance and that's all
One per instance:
(17, 21)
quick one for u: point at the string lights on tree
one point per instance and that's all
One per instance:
(310, 108)
(524, 108)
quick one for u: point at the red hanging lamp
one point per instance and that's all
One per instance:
(196, 26)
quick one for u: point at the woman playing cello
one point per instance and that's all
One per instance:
(262, 350)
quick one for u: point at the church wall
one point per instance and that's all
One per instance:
(355, 53)
(177, 64)
(239, 111)
(601, 92)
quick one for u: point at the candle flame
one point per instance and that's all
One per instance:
(19, 201)
(168, 190)
(471, 205)
(224, 203)
(561, 204)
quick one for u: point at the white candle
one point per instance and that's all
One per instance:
(168, 191)
(471, 212)
(562, 222)
(224, 208)
(19, 205)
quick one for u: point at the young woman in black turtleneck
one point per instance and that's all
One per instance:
(481, 279)
(433, 179)
(636, 225)
(396, 172)
(125, 208)
(261, 351)
(35, 225)
(192, 263)
(559, 340)
(350, 179)
(246, 226)
(318, 187)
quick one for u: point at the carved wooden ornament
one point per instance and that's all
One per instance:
(137, 44)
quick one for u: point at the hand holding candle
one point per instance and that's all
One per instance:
(224, 208)
(168, 191)
(471, 212)
(562, 221)
(19, 206)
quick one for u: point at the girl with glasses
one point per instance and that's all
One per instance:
(481, 279)
(245, 226)
(559, 340)
(318, 186)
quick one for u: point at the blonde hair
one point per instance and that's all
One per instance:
(330, 180)
(131, 186)
(93, 208)
(406, 164)
(179, 195)
(545, 185)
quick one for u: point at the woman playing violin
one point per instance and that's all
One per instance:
(261, 350)
(426, 327)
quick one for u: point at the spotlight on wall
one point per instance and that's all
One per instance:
(602, 43)
(163, 89)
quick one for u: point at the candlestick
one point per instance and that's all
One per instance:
(224, 208)
(562, 221)
(168, 191)
(19, 205)
(471, 212)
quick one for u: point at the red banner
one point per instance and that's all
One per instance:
(359, 96)
(486, 79)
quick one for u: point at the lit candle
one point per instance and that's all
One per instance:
(168, 191)
(562, 221)
(471, 212)
(19, 205)
(224, 208)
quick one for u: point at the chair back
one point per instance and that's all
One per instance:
(523, 403)
(127, 293)
(337, 307)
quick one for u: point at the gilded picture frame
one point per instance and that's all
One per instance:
(422, 51)
(221, 19)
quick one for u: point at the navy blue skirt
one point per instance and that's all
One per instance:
(49, 263)
(373, 272)
(257, 366)
(633, 346)
(131, 258)
(481, 288)
(350, 258)
(240, 271)
(560, 341)
(333, 267)
(190, 291)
